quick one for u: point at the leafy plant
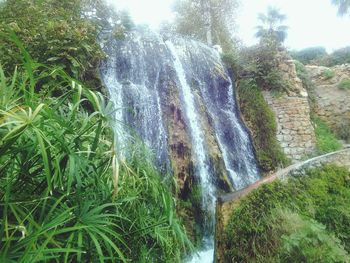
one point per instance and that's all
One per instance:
(309, 55)
(261, 120)
(57, 33)
(65, 196)
(299, 220)
(325, 139)
(271, 29)
(306, 240)
(328, 74)
(344, 84)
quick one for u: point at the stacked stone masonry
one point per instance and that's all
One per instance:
(294, 129)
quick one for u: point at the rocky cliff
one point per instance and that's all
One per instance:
(332, 99)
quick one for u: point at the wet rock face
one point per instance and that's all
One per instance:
(178, 140)
(149, 81)
(332, 103)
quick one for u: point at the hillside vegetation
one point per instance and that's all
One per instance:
(65, 194)
(305, 219)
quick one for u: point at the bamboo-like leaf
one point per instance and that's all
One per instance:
(44, 155)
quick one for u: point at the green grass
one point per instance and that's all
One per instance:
(344, 84)
(325, 139)
(65, 195)
(305, 219)
(261, 120)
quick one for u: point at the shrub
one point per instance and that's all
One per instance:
(58, 33)
(308, 55)
(261, 121)
(294, 221)
(325, 139)
(65, 195)
(344, 84)
(328, 74)
(342, 130)
(305, 240)
(339, 57)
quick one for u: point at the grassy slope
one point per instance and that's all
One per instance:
(304, 220)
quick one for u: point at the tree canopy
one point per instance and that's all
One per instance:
(271, 27)
(211, 21)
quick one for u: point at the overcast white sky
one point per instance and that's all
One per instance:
(311, 22)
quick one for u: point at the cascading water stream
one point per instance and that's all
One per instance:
(197, 135)
(143, 75)
(208, 195)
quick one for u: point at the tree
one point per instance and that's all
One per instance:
(211, 21)
(271, 29)
(61, 33)
(343, 6)
(307, 55)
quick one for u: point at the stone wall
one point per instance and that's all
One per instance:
(294, 129)
(227, 203)
(332, 103)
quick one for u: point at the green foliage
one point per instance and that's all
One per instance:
(262, 63)
(197, 18)
(305, 240)
(344, 84)
(328, 74)
(271, 29)
(325, 139)
(58, 33)
(191, 212)
(314, 221)
(261, 120)
(339, 56)
(319, 56)
(308, 55)
(64, 194)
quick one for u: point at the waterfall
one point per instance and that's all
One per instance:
(177, 96)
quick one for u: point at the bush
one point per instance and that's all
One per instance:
(295, 221)
(269, 75)
(338, 57)
(261, 121)
(308, 55)
(328, 74)
(325, 139)
(58, 33)
(305, 240)
(65, 195)
(344, 84)
(342, 130)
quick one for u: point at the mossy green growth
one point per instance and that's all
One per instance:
(344, 84)
(261, 120)
(303, 75)
(325, 139)
(328, 74)
(306, 219)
